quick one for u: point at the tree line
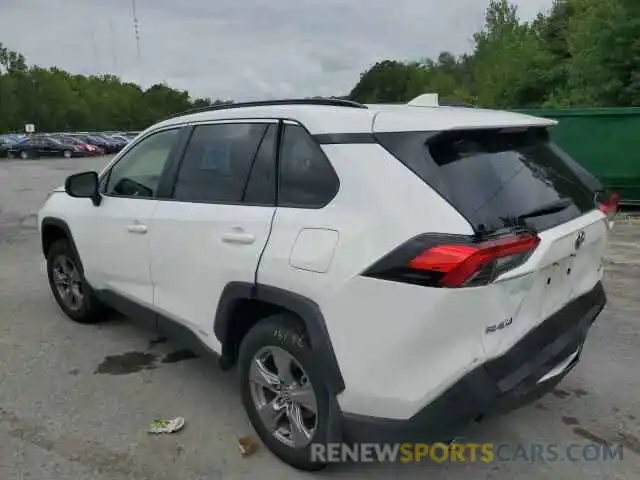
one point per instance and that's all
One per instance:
(55, 100)
(581, 53)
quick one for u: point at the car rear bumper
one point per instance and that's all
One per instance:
(530, 369)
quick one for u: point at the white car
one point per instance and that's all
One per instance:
(376, 272)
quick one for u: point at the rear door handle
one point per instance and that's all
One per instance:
(238, 238)
(137, 228)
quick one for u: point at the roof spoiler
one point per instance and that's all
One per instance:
(433, 100)
(425, 100)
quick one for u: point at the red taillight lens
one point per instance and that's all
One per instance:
(476, 264)
(610, 206)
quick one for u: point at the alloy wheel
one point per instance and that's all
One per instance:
(283, 396)
(68, 282)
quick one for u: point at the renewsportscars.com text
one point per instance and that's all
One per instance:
(465, 452)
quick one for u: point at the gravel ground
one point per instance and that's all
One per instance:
(72, 407)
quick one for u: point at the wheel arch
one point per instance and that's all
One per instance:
(230, 326)
(54, 229)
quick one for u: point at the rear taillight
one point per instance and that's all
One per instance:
(454, 262)
(462, 264)
(609, 205)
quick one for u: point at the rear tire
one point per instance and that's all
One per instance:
(24, 155)
(66, 154)
(280, 336)
(72, 293)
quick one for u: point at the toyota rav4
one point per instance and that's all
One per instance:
(374, 272)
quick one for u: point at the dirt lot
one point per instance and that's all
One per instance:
(69, 409)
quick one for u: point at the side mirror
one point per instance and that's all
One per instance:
(83, 185)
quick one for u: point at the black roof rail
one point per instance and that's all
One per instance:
(332, 102)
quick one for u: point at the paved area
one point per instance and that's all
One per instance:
(75, 401)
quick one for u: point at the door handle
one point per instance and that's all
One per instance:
(238, 238)
(137, 228)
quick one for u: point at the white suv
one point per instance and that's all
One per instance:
(377, 272)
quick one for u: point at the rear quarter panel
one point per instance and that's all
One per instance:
(397, 345)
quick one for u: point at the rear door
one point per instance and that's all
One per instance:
(506, 179)
(214, 222)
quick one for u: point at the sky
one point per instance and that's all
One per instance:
(241, 49)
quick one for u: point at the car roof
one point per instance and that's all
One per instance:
(410, 118)
(324, 118)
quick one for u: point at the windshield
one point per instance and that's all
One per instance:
(499, 179)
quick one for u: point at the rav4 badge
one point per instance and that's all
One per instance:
(499, 326)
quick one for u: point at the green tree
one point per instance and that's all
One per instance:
(580, 53)
(511, 66)
(56, 100)
(603, 39)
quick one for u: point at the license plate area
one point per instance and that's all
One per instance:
(557, 285)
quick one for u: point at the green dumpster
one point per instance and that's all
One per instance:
(605, 141)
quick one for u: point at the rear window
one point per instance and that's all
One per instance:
(498, 179)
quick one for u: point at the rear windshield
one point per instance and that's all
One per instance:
(498, 179)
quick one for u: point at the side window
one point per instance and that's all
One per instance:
(217, 161)
(307, 179)
(261, 186)
(137, 174)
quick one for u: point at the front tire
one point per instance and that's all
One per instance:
(67, 154)
(283, 390)
(70, 290)
(24, 155)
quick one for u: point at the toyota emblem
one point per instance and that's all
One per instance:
(580, 239)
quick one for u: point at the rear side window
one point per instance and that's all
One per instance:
(497, 179)
(217, 162)
(307, 179)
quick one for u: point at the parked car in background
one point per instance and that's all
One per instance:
(11, 137)
(105, 146)
(69, 140)
(92, 143)
(18, 137)
(44, 146)
(122, 138)
(6, 141)
(130, 135)
(117, 143)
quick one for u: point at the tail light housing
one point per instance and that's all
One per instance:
(454, 261)
(608, 204)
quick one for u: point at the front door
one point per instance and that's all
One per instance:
(122, 225)
(215, 225)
